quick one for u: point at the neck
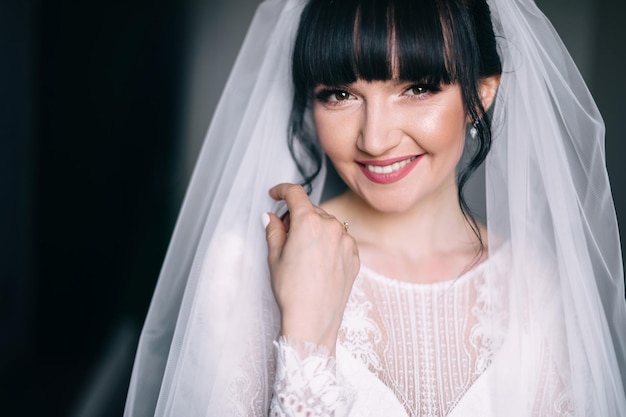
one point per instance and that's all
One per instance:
(430, 242)
(436, 225)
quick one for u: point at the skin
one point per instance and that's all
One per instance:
(411, 229)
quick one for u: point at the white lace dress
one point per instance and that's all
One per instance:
(408, 349)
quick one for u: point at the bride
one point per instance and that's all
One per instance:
(392, 298)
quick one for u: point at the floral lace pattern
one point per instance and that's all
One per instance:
(487, 334)
(427, 342)
(306, 384)
(359, 333)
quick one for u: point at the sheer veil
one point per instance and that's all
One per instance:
(206, 346)
(549, 199)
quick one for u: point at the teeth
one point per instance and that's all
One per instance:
(388, 169)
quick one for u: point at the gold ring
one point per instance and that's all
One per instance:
(346, 226)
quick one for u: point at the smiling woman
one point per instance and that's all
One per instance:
(416, 308)
(398, 152)
(384, 133)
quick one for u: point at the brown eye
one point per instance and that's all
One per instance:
(333, 96)
(418, 90)
(423, 90)
(341, 95)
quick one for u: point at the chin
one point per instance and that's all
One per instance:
(389, 203)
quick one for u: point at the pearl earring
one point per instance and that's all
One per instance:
(474, 130)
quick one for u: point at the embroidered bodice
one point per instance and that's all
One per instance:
(428, 343)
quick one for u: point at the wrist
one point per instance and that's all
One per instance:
(325, 336)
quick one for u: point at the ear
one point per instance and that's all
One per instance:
(487, 90)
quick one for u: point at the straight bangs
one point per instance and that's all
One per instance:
(429, 42)
(340, 41)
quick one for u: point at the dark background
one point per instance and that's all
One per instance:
(103, 105)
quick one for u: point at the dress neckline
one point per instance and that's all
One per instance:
(464, 277)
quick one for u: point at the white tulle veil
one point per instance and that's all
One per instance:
(206, 346)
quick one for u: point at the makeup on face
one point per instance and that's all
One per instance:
(392, 143)
(390, 170)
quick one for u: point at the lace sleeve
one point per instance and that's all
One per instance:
(307, 382)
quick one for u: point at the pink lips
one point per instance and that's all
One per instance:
(403, 165)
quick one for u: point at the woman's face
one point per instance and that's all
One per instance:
(395, 144)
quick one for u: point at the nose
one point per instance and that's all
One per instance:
(380, 131)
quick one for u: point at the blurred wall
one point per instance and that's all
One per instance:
(90, 95)
(608, 85)
(216, 30)
(595, 34)
(16, 187)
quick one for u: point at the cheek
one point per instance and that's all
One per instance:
(333, 133)
(444, 132)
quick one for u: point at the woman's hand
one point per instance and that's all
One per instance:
(313, 262)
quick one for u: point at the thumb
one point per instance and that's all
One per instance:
(276, 235)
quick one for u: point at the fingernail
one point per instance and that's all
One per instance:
(265, 219)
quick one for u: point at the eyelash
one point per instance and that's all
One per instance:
(428, 89)
(325, 94)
